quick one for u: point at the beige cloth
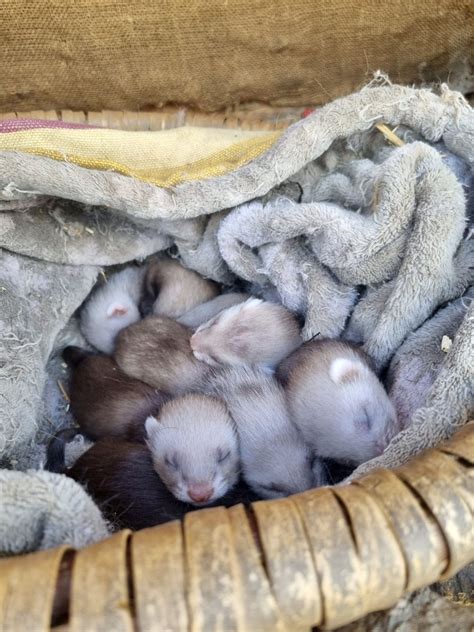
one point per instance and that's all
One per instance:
(95, 55)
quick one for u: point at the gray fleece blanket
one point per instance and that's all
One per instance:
(372, 243)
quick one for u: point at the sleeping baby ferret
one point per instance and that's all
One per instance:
(255, 333)
(112, 306)
(121, 479)
(337, 401)
(202, 313)
(194, 448)
(156, 351)
(104, 401)
(275, 460)
(175, 289)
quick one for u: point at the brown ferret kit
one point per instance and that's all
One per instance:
(105, 402)
(337, 402)
(173, 289)
(156, 351)
(120, 477)
(255, 332)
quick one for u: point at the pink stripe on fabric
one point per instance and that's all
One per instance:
(20, 125)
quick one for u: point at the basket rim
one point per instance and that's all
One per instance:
(395, 530)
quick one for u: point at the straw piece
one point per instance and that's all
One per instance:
(64, 392)
(390, 135)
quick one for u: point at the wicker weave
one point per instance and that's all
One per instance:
(324, 557)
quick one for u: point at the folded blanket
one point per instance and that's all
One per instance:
(40, 510)
(419, 204)
(37, 299)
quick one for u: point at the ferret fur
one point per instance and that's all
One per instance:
(337, 401)
(275, 460)
(418, 362)
(195, 448)
(204, 312)
(175, 289)
(156, 351)
(112, 306)
(254, 333)
(121, 479)
(56, 450)
(105, 402)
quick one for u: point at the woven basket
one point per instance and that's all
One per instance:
(322, 558)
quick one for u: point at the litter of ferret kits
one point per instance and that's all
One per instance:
(232, 406)
(238, 401)
(294, 323)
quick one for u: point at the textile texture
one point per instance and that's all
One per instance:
(138, 55)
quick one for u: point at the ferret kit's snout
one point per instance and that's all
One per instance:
(200, 492)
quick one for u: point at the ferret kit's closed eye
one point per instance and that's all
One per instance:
(255, 332)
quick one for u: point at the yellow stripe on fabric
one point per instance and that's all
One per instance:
(164, 158)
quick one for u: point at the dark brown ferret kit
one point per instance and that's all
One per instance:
(120, 477)
(105, 402)
(156, 350)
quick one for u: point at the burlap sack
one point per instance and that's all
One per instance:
(94, 55)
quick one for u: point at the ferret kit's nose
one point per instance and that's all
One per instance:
(200, 492)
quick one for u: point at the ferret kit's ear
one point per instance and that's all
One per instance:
(116, 309)
(343, 371)
(151, 427)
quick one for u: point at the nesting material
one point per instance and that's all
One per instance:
(41, 510)
(390, 135)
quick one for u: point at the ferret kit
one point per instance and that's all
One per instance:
(296, 320)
